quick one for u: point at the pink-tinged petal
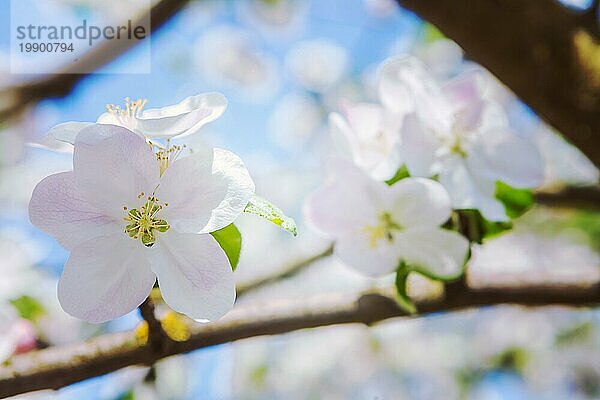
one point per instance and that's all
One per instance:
(433, 251)
(502, 155)
(205, 191)
(183, 118)
(405, 86)
(194, 275)
(67, 132)
(366, 120)
(359, 252)
(112, 166)
(465, 94)
(469, 191)
(419, 147)
(419, 202)
(350, 201)
(105, 278)
(58, 208)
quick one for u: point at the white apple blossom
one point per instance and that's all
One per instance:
(376, 226)
(181, 119)
(129, 219)
(372, 137)
(455, 132)
(229, 57)
(317, 65)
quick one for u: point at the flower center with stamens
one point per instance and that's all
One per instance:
(383, 230)
(131, 110)
(166, 155)
(144, 222)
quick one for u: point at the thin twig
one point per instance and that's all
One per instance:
(285, 273)
(56, 367)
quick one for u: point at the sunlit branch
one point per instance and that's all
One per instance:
(57, 367)
(13, 100)
(545, 52)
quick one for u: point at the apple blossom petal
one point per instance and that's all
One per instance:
(503, 155)
(347, 203)
(358, 252)
(465, 93)
(109, 118)
(205, 191)
(57, 208)
(183, 118)
(194, 275)
(342, 135)
(105, 278)
(469, 191)
(112, 165)
(405, 86)
(67, 132)
(419, 202)
(419, 147)
(435, 252)
(365, 119)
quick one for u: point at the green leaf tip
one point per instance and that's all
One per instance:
(516, 201)
(230, 240)
(264, 209)
(399, 175)
(404, 301)
(28, 307)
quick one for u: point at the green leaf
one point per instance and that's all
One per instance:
(403, 299)
(230, 240)
(400, 174)
(264, 209)
(484, 228)
(28, 307)
(516, 201)
(431, 33)
(129, 395)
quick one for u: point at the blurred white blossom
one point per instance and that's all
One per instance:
(376, 226)
(317, 65)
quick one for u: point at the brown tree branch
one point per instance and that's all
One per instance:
(13, 100)
(584, 197)
(57, 367)
(546, 53)
(157, 338)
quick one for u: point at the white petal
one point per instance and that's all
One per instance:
(108, 118)
(341, 134)
(347, 203)
(205, 191)
(183, 118)
(112, 165)
(57, 208)
(356, 251)
(419, 147)
(465, 95)
(67, 132)
(419, 202)
(405, 86)
(438, 253)
(105, 278)
(469, 191)
(503, 155)
(194, 275)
